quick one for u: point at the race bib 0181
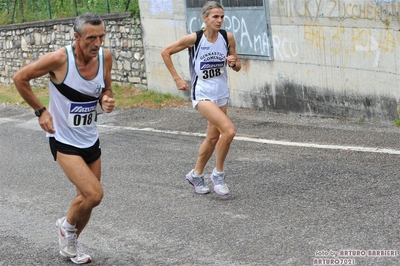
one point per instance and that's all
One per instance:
(82, 114)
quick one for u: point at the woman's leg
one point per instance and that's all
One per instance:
(220, 133)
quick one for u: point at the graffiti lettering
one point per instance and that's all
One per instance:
(315, 35)
(383, 10)
(284, 49)
(259, 43)
(361, 40)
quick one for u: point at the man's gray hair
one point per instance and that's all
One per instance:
(210, 5)
(81, 20)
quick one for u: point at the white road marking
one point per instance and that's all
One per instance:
(265, 141)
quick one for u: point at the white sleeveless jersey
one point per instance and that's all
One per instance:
(208, 69)
(73, 104)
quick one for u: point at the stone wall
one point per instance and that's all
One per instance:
(21, 44)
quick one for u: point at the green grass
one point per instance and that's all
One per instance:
(9, 95)
(361, 120)
(126, 96)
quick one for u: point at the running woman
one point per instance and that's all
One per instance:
(211, 50)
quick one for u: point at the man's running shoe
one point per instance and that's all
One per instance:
(81, 257)
(219, 184)
(66, 239)
(198, 183)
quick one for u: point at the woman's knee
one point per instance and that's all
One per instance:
(212, 140)
(229, 133)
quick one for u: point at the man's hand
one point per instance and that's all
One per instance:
(107, 104)
(46, 122)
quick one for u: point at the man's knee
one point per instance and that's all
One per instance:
(95, 197)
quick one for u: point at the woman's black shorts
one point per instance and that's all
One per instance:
(89, 155)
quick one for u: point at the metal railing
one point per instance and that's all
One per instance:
(18, 11)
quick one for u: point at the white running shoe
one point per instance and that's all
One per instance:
(198, 182)
(66, 239)
(81, 257)
(220, 187)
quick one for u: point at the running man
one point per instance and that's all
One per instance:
(80, 78)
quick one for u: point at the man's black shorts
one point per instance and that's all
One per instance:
(89, 155)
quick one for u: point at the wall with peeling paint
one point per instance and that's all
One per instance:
(332, 58)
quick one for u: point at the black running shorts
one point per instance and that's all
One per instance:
(89, 155)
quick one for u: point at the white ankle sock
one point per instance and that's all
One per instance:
(217, 173)
(68, 226)
(196, 175)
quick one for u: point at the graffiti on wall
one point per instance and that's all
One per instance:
(284, 49)
(382, 10)
(251, 28)
(336, 38)
(359, 40)
(339, 39)
(386, 1)
(245, 36)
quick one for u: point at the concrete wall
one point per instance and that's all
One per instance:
(23, 43)
(331, 57)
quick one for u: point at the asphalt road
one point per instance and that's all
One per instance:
(304, 191)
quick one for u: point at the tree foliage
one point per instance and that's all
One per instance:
(17, 11)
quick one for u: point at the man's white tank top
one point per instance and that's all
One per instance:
(73, 104)
(208, 69)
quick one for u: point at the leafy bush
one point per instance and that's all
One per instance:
(17, 11)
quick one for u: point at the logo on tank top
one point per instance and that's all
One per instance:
(212, 56)
(97, 89)
(211, 65)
